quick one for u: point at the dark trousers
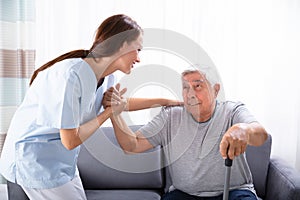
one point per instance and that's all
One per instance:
(233, 195)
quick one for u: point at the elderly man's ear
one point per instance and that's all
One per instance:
(217, 89)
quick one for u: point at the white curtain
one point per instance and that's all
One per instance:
(254, 45)
(17, 54)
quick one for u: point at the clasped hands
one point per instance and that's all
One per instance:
(113, 98)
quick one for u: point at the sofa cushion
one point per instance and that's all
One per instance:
(15, 192)
(122, 195)
(103, 165)
(258, 159)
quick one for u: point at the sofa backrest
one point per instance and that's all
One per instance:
(103, 165)
(258, 159)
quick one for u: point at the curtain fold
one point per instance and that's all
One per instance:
(17, 57)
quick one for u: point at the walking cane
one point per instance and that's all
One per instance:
(228, 164)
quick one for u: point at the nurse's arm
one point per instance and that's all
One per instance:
(134, 104)
(71, 138)
(114, 95)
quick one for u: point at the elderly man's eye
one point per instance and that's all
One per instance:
(198, 87)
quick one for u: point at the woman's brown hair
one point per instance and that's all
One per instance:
(111, 26)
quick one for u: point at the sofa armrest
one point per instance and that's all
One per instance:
(283, 181)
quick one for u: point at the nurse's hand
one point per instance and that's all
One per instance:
(120, 107)
(113, 96)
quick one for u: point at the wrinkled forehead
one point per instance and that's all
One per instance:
(193, 77)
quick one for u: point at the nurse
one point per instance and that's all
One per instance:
(64, 106)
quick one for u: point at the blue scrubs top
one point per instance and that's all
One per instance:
(61, 97)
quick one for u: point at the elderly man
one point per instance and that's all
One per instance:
(196, 138)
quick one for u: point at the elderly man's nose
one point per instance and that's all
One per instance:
(191, 93)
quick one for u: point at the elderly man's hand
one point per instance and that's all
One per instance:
(234, 141)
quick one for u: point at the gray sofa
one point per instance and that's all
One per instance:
(109, 174)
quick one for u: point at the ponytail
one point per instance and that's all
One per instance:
(81, 53)
(103, 45)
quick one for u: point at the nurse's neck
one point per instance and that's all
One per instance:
(100, 66)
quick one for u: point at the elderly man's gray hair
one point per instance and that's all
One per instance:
(209, 73)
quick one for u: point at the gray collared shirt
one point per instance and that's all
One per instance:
(192, 149)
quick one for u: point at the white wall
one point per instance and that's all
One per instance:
(254, 45)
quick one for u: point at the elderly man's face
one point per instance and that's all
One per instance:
(199, 96)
